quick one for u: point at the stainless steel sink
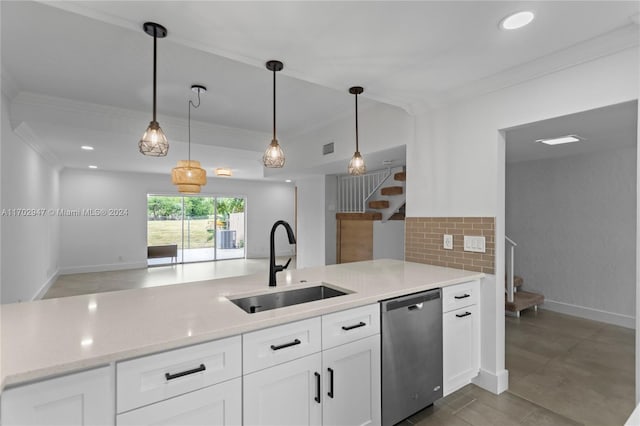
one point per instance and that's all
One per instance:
(268, 301)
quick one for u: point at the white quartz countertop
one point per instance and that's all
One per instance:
(57, 336)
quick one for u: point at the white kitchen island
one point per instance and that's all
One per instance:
(56, 337)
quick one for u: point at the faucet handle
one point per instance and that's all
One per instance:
(286, 265)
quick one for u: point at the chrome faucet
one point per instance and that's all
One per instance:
(273, 268)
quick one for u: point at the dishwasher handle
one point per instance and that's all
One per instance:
(412, 301)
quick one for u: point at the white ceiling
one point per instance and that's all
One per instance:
(80, 72)
(611, 127)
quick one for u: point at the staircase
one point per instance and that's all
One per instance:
(517, 300)
(376, 196)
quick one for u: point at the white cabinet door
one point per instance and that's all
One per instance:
(287, 394)
(86, 398)
(352, 383)
(217, 405)
(461, 347)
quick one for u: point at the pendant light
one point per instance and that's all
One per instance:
(188, 175)
(153, 142)
(274, 157)
(356, 165)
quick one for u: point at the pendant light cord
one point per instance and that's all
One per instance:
(274, 104)
(189, 119)
(357, 150)
(155, 42)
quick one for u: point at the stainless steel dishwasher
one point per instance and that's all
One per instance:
(411, 354)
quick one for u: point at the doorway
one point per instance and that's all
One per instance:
(186, 229)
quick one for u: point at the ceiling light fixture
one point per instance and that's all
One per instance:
(93, 167)
(86, 148)
(288, 180)
(517, 20)
(188, 175)
(356, 165)
(560, 140)
(223, 171)
(153, 142)
(274, 157)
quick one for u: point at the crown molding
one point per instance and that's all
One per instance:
(31, 139)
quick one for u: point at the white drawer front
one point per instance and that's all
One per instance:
(219, 404)
(460, 295)
(275, 345)
(346, 326)
(157, 377)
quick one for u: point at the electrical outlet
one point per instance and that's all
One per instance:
(447, 242)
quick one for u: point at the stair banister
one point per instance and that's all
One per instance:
(510, 268)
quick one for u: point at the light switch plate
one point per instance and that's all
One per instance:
(447, 242)
(474, 244)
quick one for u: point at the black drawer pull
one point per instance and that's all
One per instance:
(285, 345)
(462, 297)
(466, 314)
(330, 393)
(317, 397)
(351, 327)
(169, 376)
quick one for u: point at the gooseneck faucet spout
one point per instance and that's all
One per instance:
(273, 268)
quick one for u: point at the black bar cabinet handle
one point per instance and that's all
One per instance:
(351, 327)
(462, 297)
(466, 314)
(170, 376)
(330, 393)
(285, 345)
(317, 398)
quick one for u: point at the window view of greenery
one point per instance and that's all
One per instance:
(203, 216)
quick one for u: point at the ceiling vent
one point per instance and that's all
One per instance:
(327, 148)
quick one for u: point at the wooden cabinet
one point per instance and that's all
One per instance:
(85, 398)
(460, 335)
(352, 383)
(286, 394)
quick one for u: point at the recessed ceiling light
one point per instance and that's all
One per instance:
(93, 167)
(288, 180)
(560, 140)
(87, 147)
(223, 171)
(517, 20)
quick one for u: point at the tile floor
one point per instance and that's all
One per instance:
(563, 370)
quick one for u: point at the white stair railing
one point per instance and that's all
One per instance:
(510, 261)
(354, 191)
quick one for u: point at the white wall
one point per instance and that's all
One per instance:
(29, 243)
(331, 205)
(456, 163)
(388, 239)
(103, 243)
(574, 220)
(311, 222)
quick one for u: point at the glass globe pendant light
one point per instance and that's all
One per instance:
(153, 142)
(274, 156)
(188, 175)
(356, 165)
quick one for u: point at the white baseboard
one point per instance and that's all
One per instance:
(45, 287)
(627, 321)
(494, 383)
(102, 268)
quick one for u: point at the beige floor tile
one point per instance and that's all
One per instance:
(543, 417)
(480, 414)
(436, 416)
(511, 405)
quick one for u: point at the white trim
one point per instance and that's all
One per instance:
(495, 383)
(46, 286)
(627, 321)
(102, 268)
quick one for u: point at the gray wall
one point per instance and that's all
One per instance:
(574, 221)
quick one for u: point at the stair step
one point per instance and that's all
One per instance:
(392, 190)
(402, 176)
(378, 204)
(523, 300)
(397, 216)
(359, 216)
